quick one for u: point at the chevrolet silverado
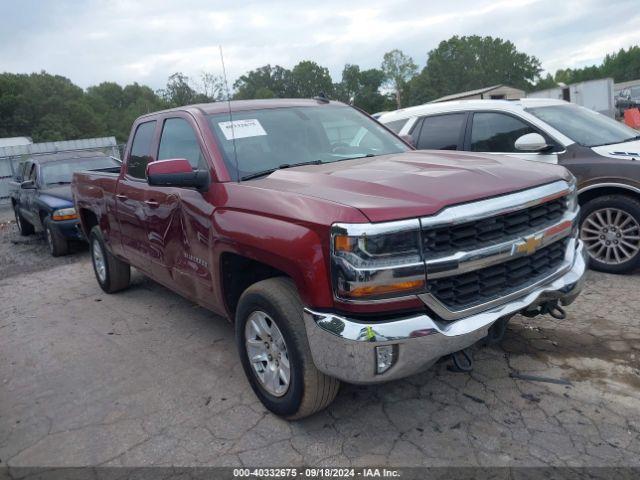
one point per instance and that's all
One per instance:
(339, 252)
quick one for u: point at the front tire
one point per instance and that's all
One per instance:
(112, 274)
(274, 350)
(610, 230)
(58, 245)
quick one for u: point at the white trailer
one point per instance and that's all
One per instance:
(594, 94)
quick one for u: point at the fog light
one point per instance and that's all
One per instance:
(385, 357)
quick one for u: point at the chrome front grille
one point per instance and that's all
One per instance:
(482, 254)
(484, 285)
(476, 234)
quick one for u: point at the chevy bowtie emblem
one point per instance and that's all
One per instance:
(528, 245)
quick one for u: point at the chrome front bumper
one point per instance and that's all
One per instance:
(345, 348)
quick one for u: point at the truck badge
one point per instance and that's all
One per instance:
(529, 245)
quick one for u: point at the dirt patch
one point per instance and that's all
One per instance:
(20, 255)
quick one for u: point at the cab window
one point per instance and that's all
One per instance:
(496, 132)
(141, 150)
(396, 125)
(441, 132)
(178, 140)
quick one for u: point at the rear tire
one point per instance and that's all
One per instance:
(308, 390)
(610, 229)
(58, 245)
(112, 273)
(24, 227)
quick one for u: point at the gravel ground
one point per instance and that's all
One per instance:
(144, 377)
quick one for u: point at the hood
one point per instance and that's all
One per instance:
(57, 196)
(628, 150)
(412, 184)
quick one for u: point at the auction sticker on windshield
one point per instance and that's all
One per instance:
(241, 128)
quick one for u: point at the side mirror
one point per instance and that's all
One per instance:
(176, 172)
(532, 142)
(408, 139)
(28, 185)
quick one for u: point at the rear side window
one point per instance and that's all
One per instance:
(441, 132)
(141, 150)
(496, 132)
(178, 140)
(396, 125)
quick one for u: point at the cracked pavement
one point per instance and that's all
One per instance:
(145, 378)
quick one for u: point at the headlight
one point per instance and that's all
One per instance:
(377, 261)
(64, 214)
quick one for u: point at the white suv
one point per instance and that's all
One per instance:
(603, 154)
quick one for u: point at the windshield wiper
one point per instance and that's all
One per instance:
(280, 167)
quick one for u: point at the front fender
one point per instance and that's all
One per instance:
(295, 249)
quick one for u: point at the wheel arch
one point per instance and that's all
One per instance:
(599, 190)
(239, 272)
(88, 220)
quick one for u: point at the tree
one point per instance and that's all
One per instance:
(350, 85)
(212, 87)
(263, 82)
(361, 88)
(420, 89)
(45, 107)
(179, 92)
(118, 107)
(545, 83)
(398, 69)
(623, 65)
(467, 63)
(308, 79)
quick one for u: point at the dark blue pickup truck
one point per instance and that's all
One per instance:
(41, 195)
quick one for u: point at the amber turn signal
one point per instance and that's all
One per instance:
(64, 214)
(64, 217)
(343, 243)
(373, 290)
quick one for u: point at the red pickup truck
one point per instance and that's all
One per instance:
(339, 252)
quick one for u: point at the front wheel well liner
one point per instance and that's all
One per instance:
(88, 220)
(238, 273)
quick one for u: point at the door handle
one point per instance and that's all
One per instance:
(119, 196)
(152, 203)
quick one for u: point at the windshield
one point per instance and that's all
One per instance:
(269, 139)
(61, 171)
(584, 126)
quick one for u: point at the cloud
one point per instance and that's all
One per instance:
(145, 41)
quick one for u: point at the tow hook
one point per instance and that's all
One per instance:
(497, 330)
(462, 361)
(549, 308)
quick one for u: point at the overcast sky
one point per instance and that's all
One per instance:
(146, 40)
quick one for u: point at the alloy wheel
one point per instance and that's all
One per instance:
(99, 261)
(611, 235)
(267, 352)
